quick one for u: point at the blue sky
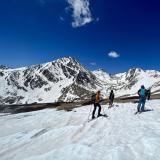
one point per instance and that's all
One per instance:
(38, 31)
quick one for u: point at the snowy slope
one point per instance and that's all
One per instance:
(102, 75)
(58, 135)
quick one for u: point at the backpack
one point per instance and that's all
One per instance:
(142, 93)
(93, 97)
(111, 96)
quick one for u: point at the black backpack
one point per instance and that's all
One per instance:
(111, 96)
(93, 97)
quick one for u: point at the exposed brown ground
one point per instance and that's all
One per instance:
(62, 105)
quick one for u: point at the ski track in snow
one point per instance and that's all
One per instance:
(58, 135)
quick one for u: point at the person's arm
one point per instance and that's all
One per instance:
(109, 96)
(139, 92)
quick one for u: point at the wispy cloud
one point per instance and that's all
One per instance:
(81, 13)
(61, 18)
(113, 54)
(97, 19)
(93, 64)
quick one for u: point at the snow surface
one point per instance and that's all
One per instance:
(58, 135)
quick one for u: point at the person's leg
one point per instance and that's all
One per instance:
(143, 105)
(99, 110)
(139, 105)
(93, 113)
(110, 104)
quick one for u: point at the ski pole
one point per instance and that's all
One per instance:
(103, 110)
(89, 112)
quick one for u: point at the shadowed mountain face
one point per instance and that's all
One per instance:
(67, 80)
(61, 80)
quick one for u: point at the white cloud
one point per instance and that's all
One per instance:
(113, 54)
(61, 18)
(93, 64)
(81, 12)
(97, 19)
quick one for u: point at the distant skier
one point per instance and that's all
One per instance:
(142, 99)
(97, 104)
(111, 99)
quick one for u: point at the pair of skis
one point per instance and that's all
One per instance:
(146, 110)
(138, 112)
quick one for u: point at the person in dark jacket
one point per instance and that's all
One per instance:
(142, 99)
(111, 99)
(97, 104)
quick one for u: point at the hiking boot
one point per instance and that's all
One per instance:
(100, 115)
(93, 117)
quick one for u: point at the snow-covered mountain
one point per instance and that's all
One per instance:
(61, 80)
(2, 67)
(66, 80)
(128, 83)
(103, 76)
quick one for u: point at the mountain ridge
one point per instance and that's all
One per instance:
(68, 80)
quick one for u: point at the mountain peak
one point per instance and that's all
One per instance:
(101, 70)
(101, 74)
(67, 58)
(3, 67)
(136, 70)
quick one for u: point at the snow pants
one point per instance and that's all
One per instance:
(141, 104)
(99, 109)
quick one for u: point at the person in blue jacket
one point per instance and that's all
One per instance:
(142, 99)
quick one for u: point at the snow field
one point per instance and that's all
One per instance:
(58, 135)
